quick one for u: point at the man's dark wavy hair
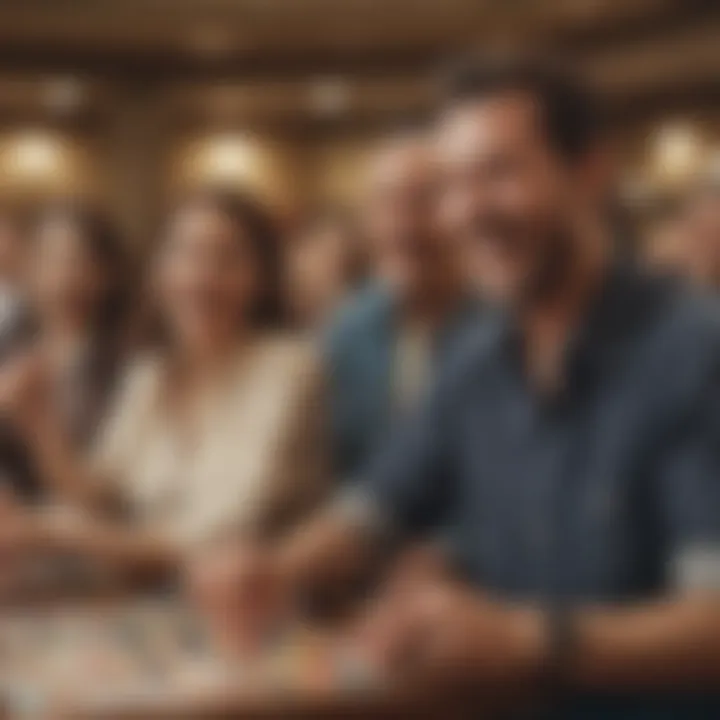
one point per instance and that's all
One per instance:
(571, 110)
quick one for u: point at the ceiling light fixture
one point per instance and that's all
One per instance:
(64, 95)
(330, 96)
(677, 151)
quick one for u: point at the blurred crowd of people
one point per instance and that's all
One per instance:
(684, 240)
(459, 370)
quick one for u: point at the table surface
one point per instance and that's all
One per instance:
(133, 658)
(152, 657)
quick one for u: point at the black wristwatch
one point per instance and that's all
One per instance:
(561, 643)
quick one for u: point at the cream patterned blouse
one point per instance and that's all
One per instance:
(248, 458)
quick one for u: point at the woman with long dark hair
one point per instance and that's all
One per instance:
(76, 279)
(215, 431)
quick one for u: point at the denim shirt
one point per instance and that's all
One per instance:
(597, 495)
(359, 352)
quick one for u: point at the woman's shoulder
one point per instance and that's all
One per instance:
(289, 355)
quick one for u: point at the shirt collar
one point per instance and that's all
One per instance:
(466, 306)
(600, 339)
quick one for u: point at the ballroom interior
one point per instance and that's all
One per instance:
(130, 101)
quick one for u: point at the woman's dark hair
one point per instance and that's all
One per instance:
(255, 226)
(101, 238)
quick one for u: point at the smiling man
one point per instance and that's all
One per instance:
(386, 344)
(569, 457)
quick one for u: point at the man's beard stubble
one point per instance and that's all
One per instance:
(555, 262)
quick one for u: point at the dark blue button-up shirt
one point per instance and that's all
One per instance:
(595, 495)
(359, 353)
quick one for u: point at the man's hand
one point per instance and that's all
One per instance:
(248, 590)
(26, 531)
(19, 530)
(241, 590)
(444, 632)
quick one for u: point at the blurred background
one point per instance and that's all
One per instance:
(128, 101)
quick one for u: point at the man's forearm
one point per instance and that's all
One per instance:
(128, 551)
(328, 550)
(62, 469)
(671, 644)
(133, 550)
(667, 645)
